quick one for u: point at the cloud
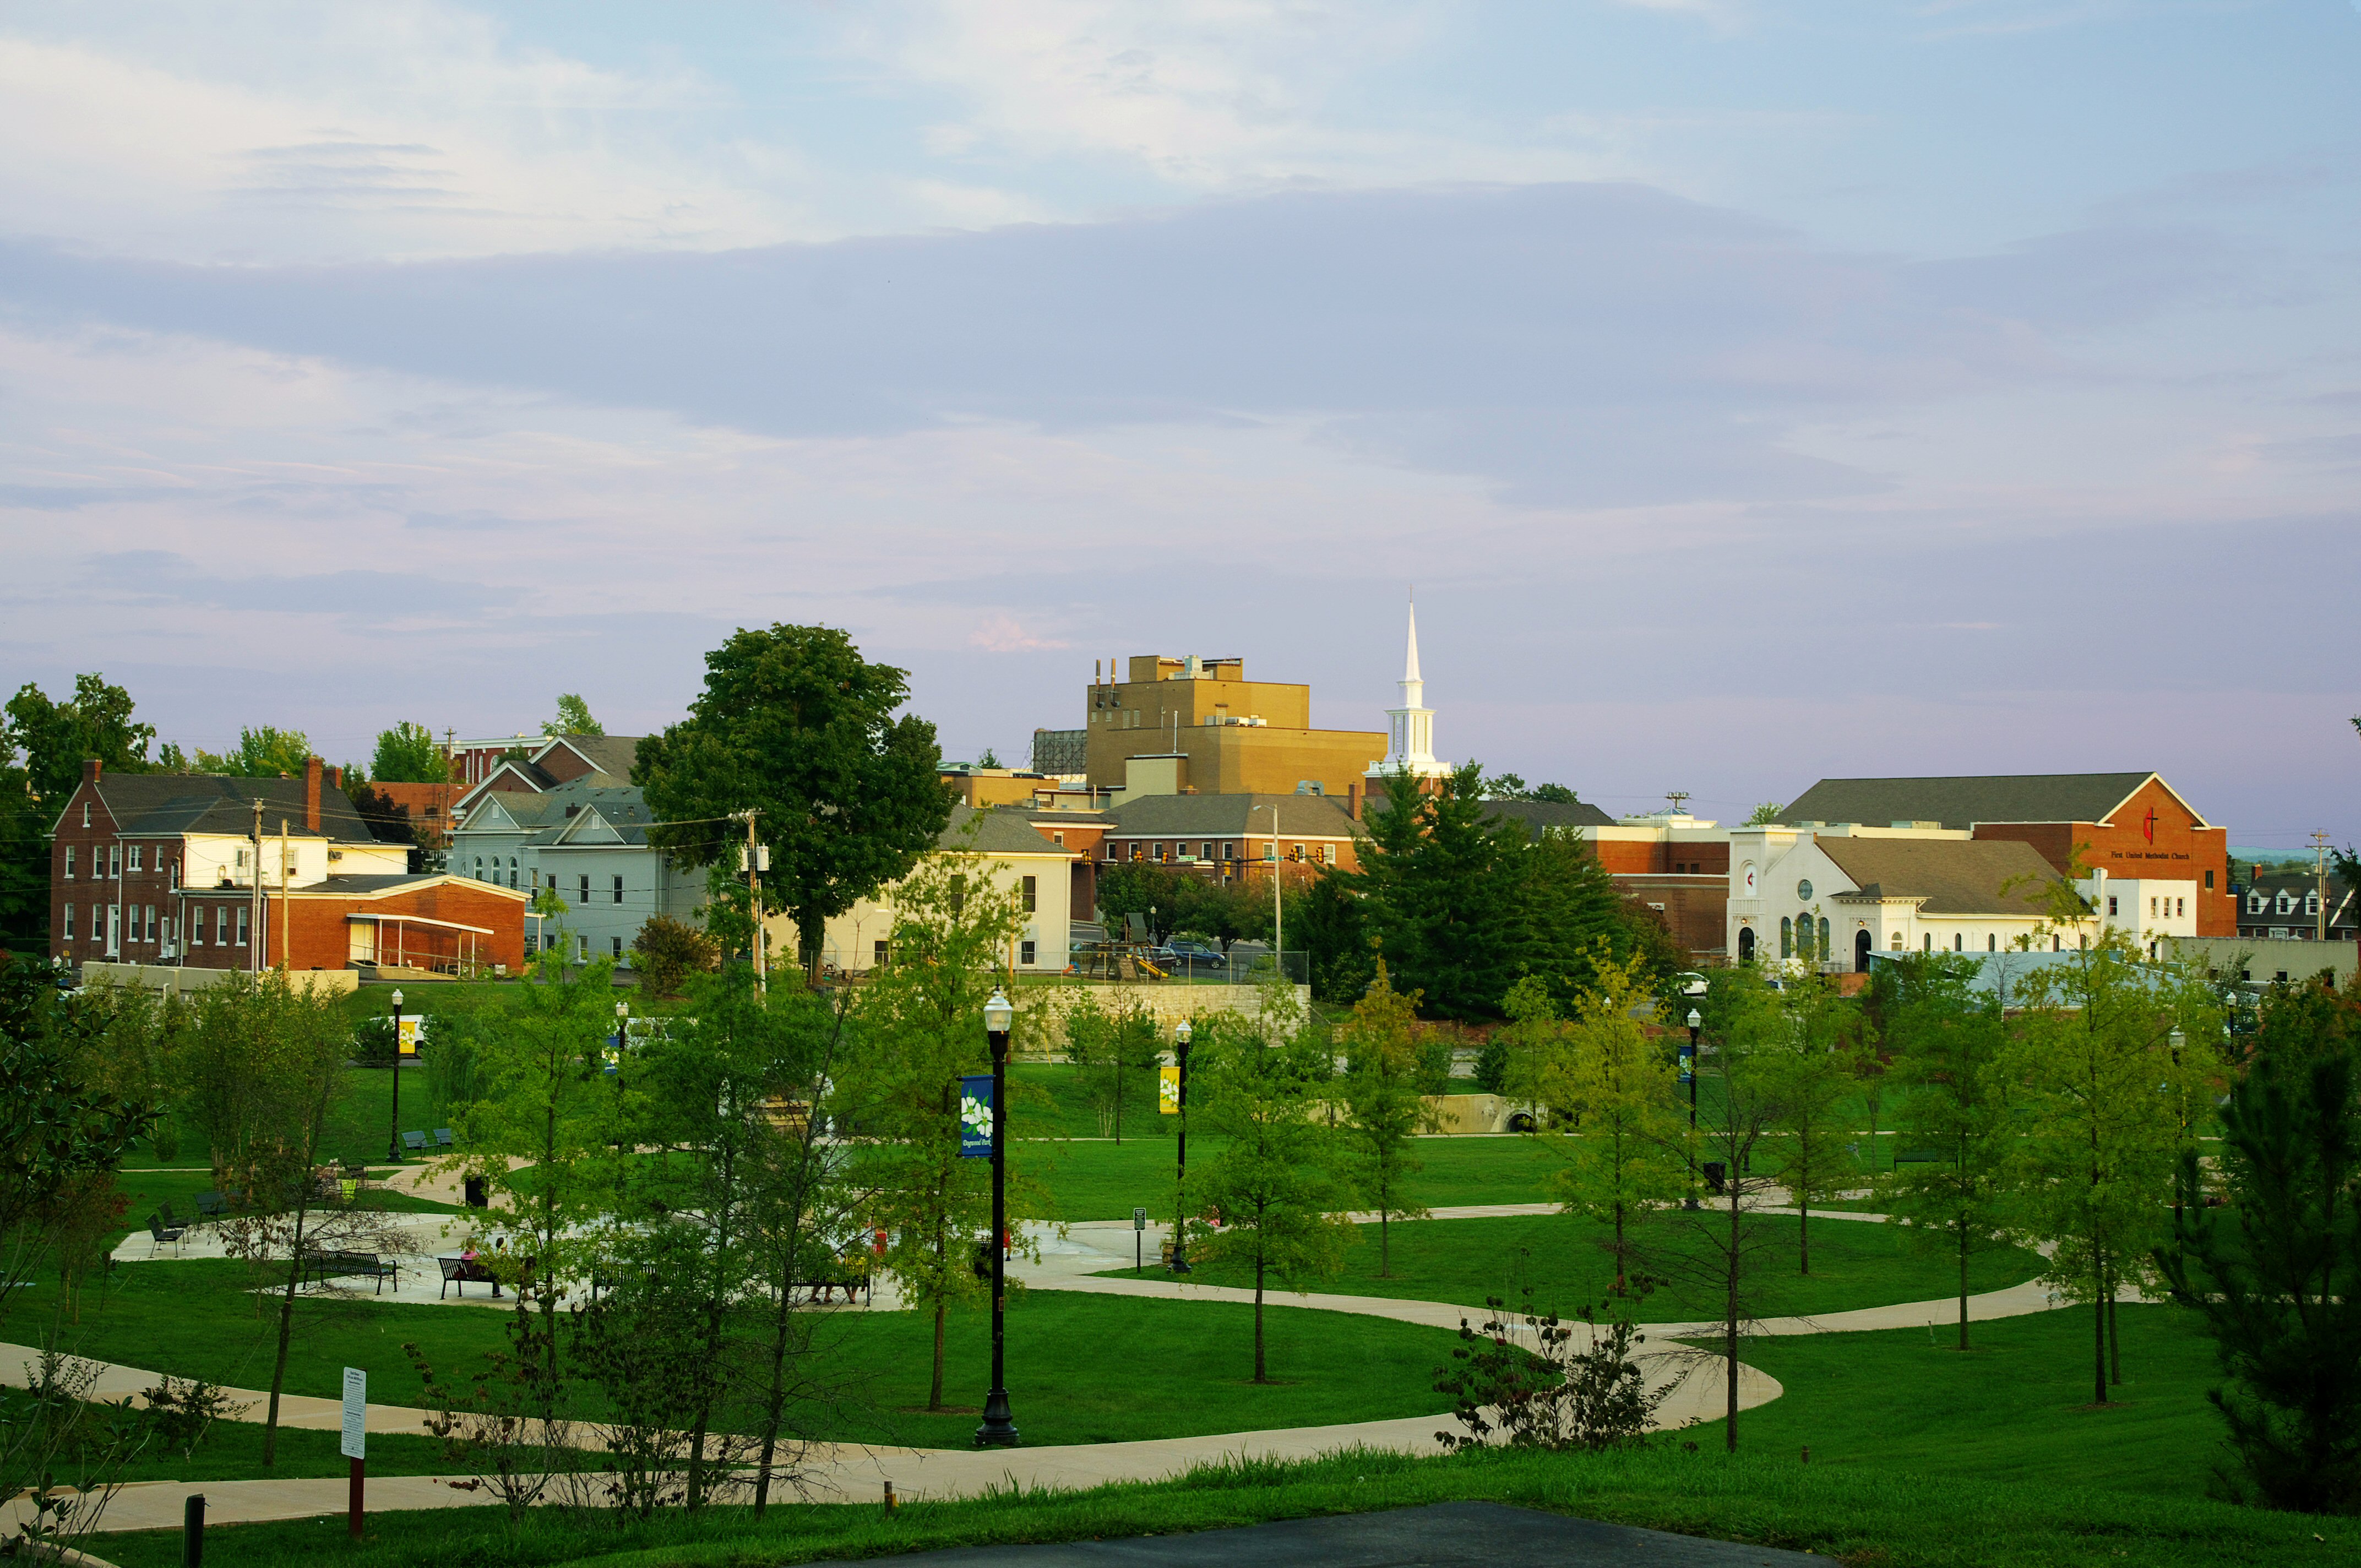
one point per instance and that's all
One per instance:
(1580, 345)
(1004, 634)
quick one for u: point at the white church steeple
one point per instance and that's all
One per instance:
(1412, 749)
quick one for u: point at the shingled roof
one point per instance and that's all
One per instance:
(1003, 830)
(1954, 876)
(1964, 800)
(1213, 815)
(145, 804)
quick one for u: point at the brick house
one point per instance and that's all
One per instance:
(162, 869)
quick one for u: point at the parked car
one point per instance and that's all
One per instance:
(1197, 954)
(1692, 983)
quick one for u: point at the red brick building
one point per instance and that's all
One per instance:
(2166, 868)
(221, 872)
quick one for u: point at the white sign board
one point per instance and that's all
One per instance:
(355, 1444)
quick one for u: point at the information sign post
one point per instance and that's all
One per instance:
(355, 1446)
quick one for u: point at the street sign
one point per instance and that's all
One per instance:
(355, 1444)
(1139, 1219)
(1168, 1090)
(975, 1116)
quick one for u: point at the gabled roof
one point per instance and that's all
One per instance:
(1951, 876)
(1540, 815)
(998, 830)
(1964, 800)
(557, 818)
(1200, 815)
(151, 805)
(608, 754)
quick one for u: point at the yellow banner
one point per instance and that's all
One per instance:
(1168, 1090)
(407, 1032)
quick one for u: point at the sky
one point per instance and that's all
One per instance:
(1751, 391)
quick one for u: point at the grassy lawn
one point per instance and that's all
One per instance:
(1181, 1368)
(1854, 1264)
(1104, 1180)
(1891, 1519)
(2015, 1408)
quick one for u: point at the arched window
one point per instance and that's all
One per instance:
(1992, 942)
(1746, 944)
(1896, 944)
(1786, 938)
(1824, 936)
(1930, 941)
(1958, 941)
(513, 871)
(480, 868)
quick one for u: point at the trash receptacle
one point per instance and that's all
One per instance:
(476, 1198)
(1715, 1172)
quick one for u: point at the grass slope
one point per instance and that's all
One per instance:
(1888, 1518)
(1081, 1368)
(1104, 1180)
(1854, 1264)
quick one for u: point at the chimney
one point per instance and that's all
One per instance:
(1353, 794)
(311, 794)
(90, 767)
(335, 778)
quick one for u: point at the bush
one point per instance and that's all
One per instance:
(667, 951)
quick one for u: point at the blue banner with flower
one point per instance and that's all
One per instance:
(975, 1116)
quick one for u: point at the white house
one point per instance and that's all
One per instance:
(1833, 896)
(1006, 849)
(589, 843)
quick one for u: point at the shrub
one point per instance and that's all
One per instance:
(667, 951)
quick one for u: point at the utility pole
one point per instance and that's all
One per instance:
(286, 912)
(2319, 881)
(256, 931)
(1278, 920)
(755, 900)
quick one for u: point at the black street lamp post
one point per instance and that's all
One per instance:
(1696, 1021)
(393, 1135)
(998, 1431)
(1180, 1033)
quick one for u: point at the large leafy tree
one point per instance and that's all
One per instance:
(261, 753)
(2276, 1275)
(408, 753)
(56, 737)
(573, 717)
(795, 724)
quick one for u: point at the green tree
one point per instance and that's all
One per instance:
(56, 737)
(1812, 1065)
(793, 723)
(408, 753)
(1765, 815)
(2277, 1272)
(919, 1026)
(538, 1136)
(1157, 894)
(23, 852)
(263, 754)
(1614, 1086)
(573, 717)
(1386, 1106)
(1274, 1179)
(1947, 1040)
(1115, 1049)
(1224, 913)
(667, 951)
(1744, 1031)
(2100, 1078)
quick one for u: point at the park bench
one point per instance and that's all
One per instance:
(162, 1232)
(325, 1265)
(443, 1139)
(1920, 1157)
(459, 1271)
(211, 1206)
(414, 1142)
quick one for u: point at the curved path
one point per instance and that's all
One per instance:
(1072, 1260)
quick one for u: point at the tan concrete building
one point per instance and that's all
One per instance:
(1215, 732)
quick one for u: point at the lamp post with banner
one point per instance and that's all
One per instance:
(1181, 1033)
(1689, 1076)
(998, 1430)
(393, 1135)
